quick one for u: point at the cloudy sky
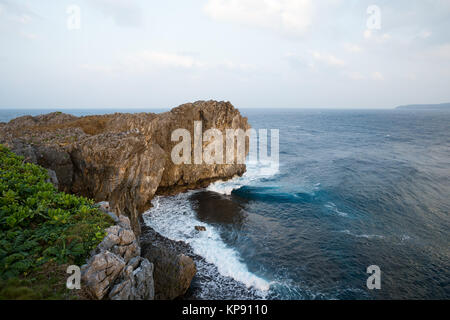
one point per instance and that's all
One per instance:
(254, 53)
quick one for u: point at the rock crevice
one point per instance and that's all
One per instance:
(115, 269)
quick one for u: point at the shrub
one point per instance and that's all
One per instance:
(40, 226)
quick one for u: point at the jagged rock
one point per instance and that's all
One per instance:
(116, 270)
(122, 158)
(135, 282)
(120, 241)
(100, 273)
(104, 207)
(173, 272)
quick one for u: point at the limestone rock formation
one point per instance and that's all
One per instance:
(135, 282)
(116, 270)
(173, 272)
(121, 158)
(100, 273)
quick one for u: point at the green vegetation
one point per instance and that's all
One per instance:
(42, 231)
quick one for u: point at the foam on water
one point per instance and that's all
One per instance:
(367, 236)
(332, 206)
(174, 218)
(255, 172)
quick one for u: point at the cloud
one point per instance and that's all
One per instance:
(424, 34)
(327, 59)
(230, 65)
(313, 59)
(352, 48)
(19, 13)
(29, 35)
(125, 13)
(97, 68)
(377, 76)
(441, 51)
(144, 61)
(355, 75)
(288, 16)
(375, 36)
(161, 59)
(150, 61)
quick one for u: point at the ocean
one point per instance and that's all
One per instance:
(354, 188)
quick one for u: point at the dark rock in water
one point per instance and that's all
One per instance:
(122, 158)
(200, 228)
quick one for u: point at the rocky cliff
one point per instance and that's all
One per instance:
(116, 270)
(121, 158)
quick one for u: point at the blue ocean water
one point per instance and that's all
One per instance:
(354, 188)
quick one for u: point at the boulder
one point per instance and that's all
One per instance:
(173, 272)
(100, 272)
(116, 270)
(135, 282)
(121, 240)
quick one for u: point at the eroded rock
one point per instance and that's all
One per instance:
(100, 272)
(135, 282)
(122, 158)
(116, 270)
(173, 272)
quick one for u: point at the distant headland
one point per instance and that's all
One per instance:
(441, 106)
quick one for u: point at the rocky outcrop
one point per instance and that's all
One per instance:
(121, 158)
(173, 271)
(116, 270)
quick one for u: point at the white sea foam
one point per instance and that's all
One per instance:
(332, 206)
(174, 218)
(255, 171)
(367, 236)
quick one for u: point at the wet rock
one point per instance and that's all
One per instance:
(200, 228)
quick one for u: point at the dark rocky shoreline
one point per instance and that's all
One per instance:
(208, 283)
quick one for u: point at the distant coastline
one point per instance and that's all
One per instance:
(441, 106)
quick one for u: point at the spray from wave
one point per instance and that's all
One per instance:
(255, 172)
(174, 218)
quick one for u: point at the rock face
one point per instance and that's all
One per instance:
(173, 271)
(121, 158)
(116, 270)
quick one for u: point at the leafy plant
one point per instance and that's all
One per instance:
(40, 225)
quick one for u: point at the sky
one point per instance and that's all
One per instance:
(253, 53)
